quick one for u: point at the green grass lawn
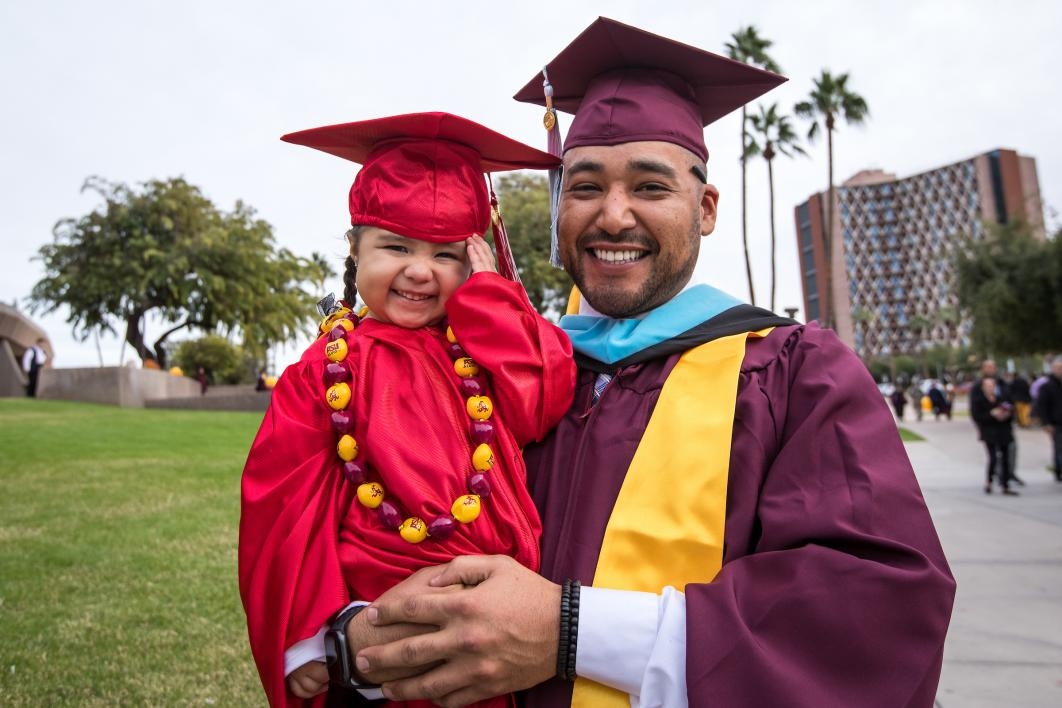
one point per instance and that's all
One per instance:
(909, 435)
(118, 532)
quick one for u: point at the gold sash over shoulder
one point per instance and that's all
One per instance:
(667, 525)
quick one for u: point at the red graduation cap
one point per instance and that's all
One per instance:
(625, 85)
(422, 173)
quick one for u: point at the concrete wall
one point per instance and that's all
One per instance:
(252, 401)
(12, 379)
(113, 385)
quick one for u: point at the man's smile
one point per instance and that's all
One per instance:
(618, 257)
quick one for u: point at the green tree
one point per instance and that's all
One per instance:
(524, 200)
(223, 361)
(777, 135)
(1011, 284)
(830, 100)
(165, 249)
(748, 46)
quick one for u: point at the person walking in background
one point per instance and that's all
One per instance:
(32, 363)
(914, 392)
(262, 384)
(899, 400)
(201, 377)
(1018, 387)
(1002, 388)
(993, 414)
(939, 401)
(1049, 410)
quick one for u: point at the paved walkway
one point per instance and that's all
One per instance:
(1004, 647)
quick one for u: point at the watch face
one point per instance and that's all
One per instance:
(335, 658)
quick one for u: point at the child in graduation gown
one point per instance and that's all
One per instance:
(394, 443)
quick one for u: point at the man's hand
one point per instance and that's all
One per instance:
(361, 634)
(309, 679)
(496, 637)
(479, 255)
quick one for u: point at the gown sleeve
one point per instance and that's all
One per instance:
(289, 570)
(529, 359)
(834, 589)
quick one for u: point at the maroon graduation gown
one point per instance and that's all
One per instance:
(834, 590)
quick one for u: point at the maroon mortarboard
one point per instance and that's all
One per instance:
(625, 85)
(422, 174)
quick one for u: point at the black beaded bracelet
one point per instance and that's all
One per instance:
(562, 635)
(573, 629)
(569, 630)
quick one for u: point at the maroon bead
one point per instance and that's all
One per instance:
(334, 373)
(389, 515)
(479, 484)
(456, 351)
(337, 332)
(472, 386)
(441, 527)
(354, 471)
(482, 432)
(342, 422)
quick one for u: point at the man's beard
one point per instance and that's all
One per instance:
(666, 278)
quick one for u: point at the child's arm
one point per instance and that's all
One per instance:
(529, 360)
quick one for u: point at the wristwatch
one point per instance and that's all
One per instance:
(337, 651)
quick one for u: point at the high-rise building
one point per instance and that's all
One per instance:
(893, 245)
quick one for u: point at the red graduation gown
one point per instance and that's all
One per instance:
(307, 547)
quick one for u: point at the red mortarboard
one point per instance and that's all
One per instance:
(626, 85)
(422, 173)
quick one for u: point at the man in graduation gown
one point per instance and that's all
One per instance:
(728, 486)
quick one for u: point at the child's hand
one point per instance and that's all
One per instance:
(309, 679)
(479, 255)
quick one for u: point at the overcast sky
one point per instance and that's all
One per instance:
(132, 91)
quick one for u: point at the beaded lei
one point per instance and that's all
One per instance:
(370, 492)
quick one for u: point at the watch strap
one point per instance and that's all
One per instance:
(337, 650)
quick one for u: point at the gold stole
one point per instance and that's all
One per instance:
(666, 527)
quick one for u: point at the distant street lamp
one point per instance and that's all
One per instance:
(791, 312)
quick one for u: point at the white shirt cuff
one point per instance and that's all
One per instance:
(634, 642)
(305, 651)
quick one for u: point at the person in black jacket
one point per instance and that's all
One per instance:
(1002, 385)
(993, 413)
(1049, 410)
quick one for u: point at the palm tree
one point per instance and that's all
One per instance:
(778, 136)
(749, 47)
(831, 99)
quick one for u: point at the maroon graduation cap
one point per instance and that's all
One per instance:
(625, 85)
